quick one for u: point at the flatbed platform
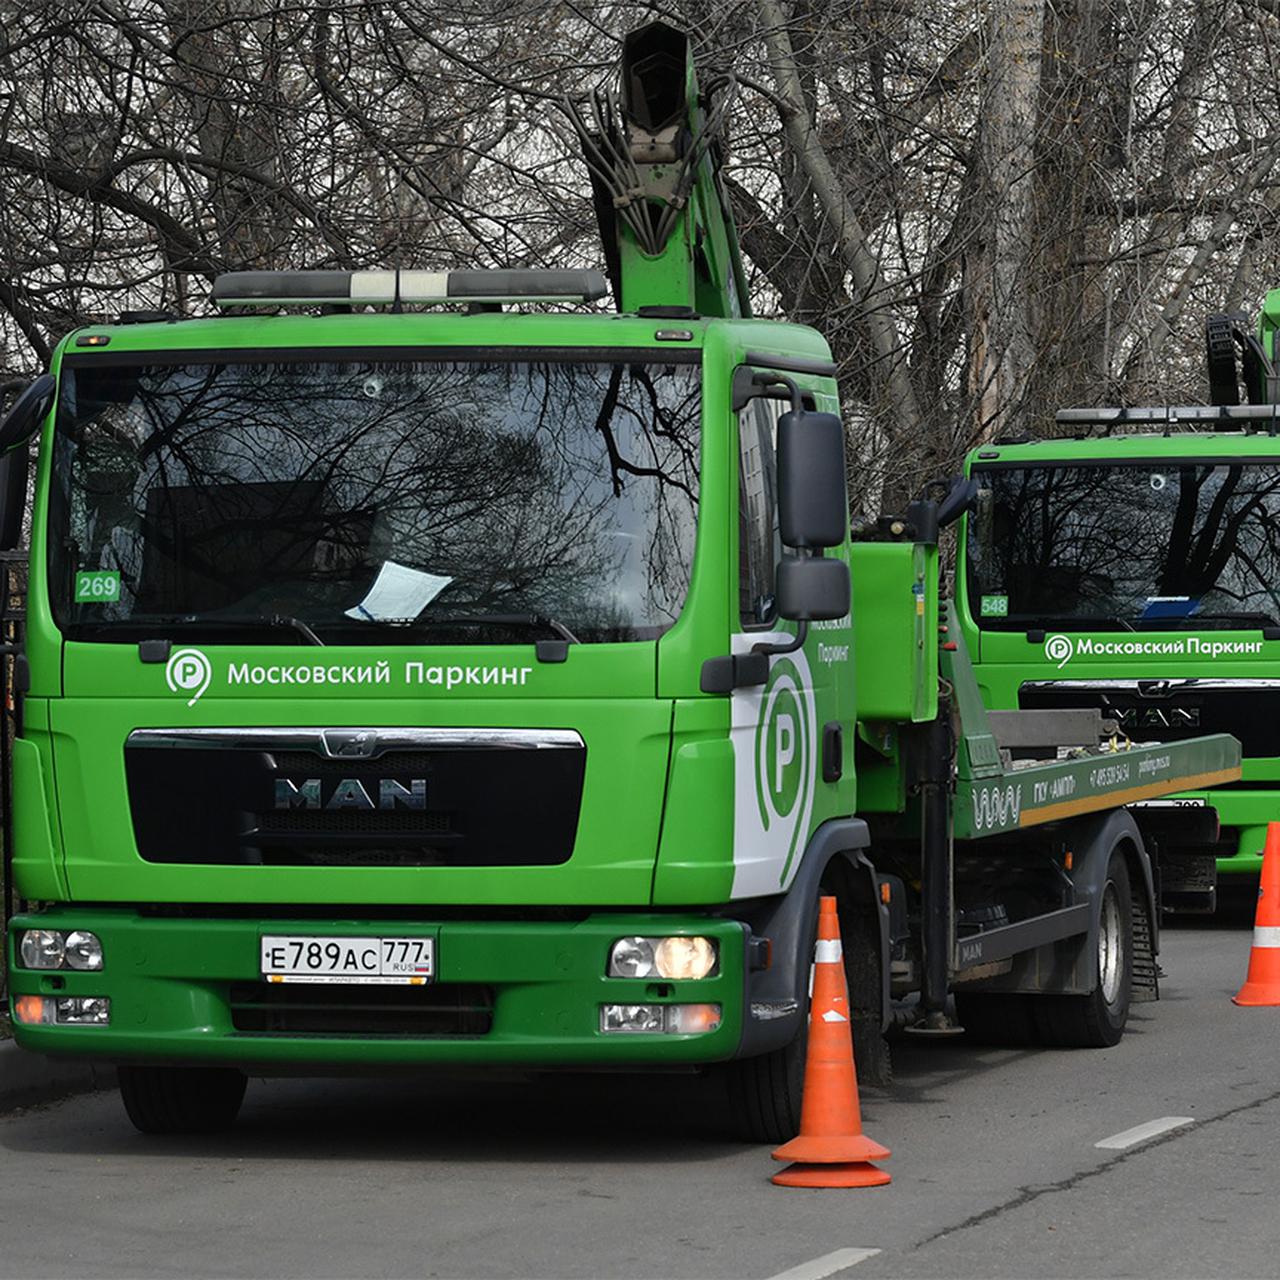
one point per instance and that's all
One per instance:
(1068, 788)
(995, 793)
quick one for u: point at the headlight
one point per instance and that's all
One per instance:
(674, 957)
(53, 949)
(685, 957)
(631, 958)
(42, 949)
(83, 950)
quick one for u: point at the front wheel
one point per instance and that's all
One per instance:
(182, 1099)
(764, 1093)
(1097, 1020)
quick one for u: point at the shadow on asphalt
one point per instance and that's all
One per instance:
(542, 1119)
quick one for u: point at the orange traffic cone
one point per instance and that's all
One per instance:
(1262, 986)
(832, 1150)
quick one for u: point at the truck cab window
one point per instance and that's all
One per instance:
(759, 544)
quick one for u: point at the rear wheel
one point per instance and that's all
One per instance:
(182, 1099)
(1097, 1021)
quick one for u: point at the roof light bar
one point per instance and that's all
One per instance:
(1171, 413)
(380, 288)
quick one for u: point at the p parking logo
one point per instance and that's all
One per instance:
(188, 671)
(1059, 649)
(785, 747)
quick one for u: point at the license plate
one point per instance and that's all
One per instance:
(1168, 804)
(365, 960)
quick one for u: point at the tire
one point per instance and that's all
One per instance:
(1001, 1018)
(764, 1092)
(163, 1100)
(1097, 1021)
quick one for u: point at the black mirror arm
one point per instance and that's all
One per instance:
(960, 496)
(796, 641)
(27, 412)
(768, 378)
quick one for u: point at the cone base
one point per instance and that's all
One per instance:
(854, 1174)
(837, 1149)
(1258, 995)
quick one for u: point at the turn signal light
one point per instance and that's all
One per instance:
(32, 1011)
(67, 1011)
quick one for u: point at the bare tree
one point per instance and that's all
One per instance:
(989, 209)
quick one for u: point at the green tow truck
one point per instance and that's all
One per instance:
(1132, 565)
(412, 677)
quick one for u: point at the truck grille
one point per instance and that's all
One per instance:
(1173, 710)
(247, 803)
(427, 1012)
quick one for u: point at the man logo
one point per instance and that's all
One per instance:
(351, 793)
(188, 671)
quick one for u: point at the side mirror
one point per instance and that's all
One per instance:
(28, 412)
(19, 424)
(813, 511)
(13, 496)
(812, 588)
(961, 495)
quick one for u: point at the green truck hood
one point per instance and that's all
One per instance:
(605, 694)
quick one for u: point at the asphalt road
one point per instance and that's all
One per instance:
(996, 1171)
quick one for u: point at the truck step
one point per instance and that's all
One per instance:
(1146, 973)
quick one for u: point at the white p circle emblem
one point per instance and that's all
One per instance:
(188, 671)
(784, 748)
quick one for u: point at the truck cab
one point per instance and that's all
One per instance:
(381, 698)
(1134, 569)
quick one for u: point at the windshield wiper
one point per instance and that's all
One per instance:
(527, 620)
(556, 650)
(1067, 622)
(222, 620)
(1247, 620)
(515, 620)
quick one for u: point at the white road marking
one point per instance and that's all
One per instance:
(827, 1265)
(1142, 1132)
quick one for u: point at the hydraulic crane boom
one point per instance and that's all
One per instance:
(654, 150)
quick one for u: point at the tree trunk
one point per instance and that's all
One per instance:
(1001, 347)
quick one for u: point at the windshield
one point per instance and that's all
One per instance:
(309, 501)
(1160, 545)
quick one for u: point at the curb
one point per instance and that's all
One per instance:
(30, 1078)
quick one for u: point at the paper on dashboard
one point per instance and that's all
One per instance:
(399, 594)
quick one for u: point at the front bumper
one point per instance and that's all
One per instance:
(172, 981)
(1242, 816)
